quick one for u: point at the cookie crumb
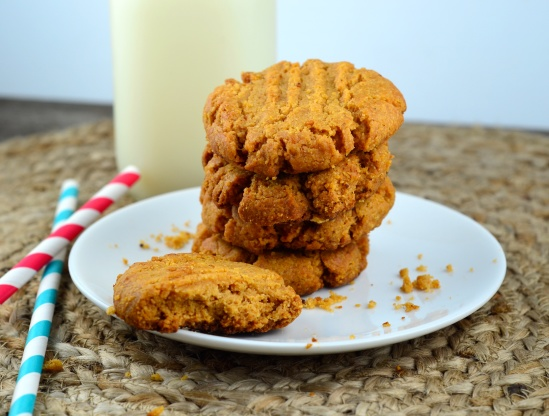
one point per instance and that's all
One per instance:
(125, 261)
(157, 411)
(144, 245)
(407, 285)
(127, 374)
(372, 304)
(308, 346)
(53, 366)
(419, 256)
(177, 241)
(110, 310)
(449, 268)
(407, 306)
(426, 282)
(325, 303)
(386, 324)
(156, 377)
(352, 336)
(184, 377)
(421, 268)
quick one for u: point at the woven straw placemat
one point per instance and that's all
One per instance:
(494, 361)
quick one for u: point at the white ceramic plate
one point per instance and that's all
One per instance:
(416, 232)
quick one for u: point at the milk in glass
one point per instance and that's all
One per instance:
(168, 55)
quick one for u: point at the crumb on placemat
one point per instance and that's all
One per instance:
(52, 366)
(157, 411)
(156, 377)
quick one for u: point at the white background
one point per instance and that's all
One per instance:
(460, 62)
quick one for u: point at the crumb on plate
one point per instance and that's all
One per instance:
(177, 241)
(407, 306)
(324, 303)
(424, 282)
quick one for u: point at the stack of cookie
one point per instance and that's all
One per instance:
(296, 170)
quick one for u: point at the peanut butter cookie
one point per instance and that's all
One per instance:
(205, 293)
(317, 196)
(305, 235)
(306, 271)
(301, 118)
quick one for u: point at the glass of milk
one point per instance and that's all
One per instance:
(168, 55)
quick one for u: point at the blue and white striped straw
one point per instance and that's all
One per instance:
(26, 387)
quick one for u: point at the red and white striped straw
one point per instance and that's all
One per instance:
(61, 237)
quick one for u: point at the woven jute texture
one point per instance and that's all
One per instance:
(495, 361)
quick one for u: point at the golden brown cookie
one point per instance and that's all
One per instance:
(205, 293)
(305, 235)
(319, 196)
(301, 118)
(305, 271)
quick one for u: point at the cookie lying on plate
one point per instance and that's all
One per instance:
(205, 293)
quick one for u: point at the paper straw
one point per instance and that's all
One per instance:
(23, 271)
(26, 387)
